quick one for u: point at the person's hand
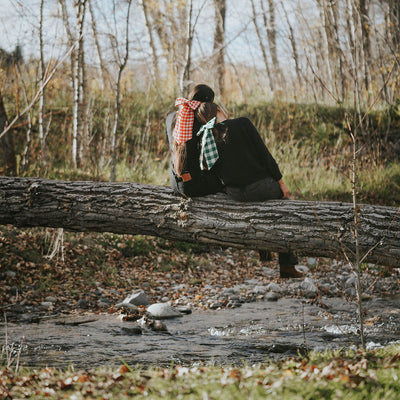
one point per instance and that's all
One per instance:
(284, 189)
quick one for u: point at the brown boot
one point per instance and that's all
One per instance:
(289, 272)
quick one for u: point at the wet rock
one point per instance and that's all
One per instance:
(215, 305)
(184, 310)
(155, 325)
(158, 326)
(131, 330)
(138, 298)
(163, 311)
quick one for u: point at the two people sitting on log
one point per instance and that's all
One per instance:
(228, 151)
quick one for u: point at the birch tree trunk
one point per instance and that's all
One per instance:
(219, 43)
(41, 118)
(78, 86)
(322, 229)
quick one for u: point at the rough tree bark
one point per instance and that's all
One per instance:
(308, 228)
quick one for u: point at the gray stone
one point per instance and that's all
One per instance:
(138, 298)
(184, 310)
(163, 311)
(11, 274)
(268, 271)
(215, 305)
(259, 289)
(312, 262)
(350, 291)
(47, 305)
(351, 281)
(131, 330)
(104, 302)
(272, 296)
(302, 268)
(308, 285)
(252, 282)
(51, 299)
(273, 287)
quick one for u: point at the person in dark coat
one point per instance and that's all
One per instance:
(234, 150)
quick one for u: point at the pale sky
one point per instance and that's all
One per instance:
(19, 22)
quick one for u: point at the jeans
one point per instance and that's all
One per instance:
(262, 190)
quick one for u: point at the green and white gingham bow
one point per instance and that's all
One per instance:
(209, 152)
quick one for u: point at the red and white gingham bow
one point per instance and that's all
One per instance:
(183, 130)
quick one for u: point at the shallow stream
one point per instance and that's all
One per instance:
(253, 333)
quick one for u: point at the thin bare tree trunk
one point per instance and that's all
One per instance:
(366, 41)
(262, 47)
(78, 86)
(103, 68)
(152, 43)
(184, 82)
(294, 47)
(118, 98)
(41, 117)
(219, 43)
(270, 27)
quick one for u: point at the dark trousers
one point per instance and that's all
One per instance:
(262, 190)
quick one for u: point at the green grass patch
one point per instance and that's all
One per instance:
(339, 375)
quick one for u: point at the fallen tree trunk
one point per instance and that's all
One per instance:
(322, 229)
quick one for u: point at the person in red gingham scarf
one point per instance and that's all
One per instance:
(186, 176)
(183, 130)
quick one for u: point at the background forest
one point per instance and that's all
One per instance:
(86, 85)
